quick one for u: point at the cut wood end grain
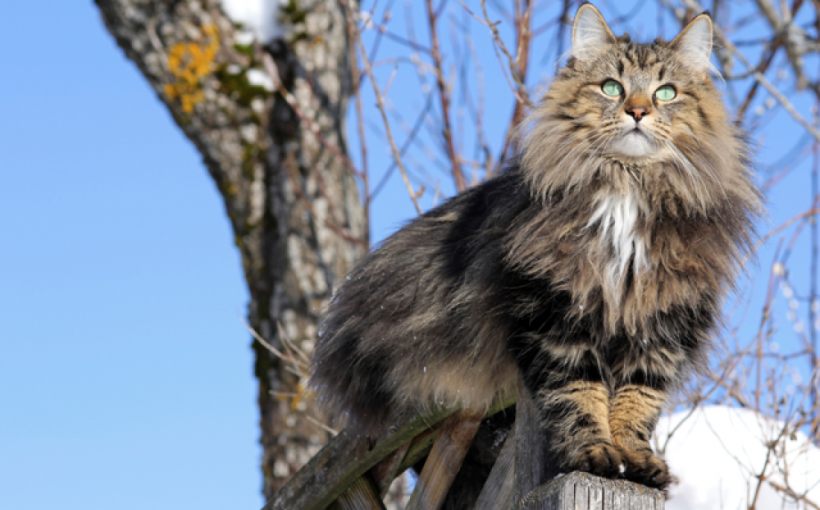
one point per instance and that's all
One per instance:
(582, 491)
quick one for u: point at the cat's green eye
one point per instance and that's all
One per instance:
(612, 88)
(666, 92)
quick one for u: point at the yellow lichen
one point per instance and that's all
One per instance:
(303, 395)
(189, 63)
(297, 400)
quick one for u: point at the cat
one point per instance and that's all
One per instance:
(593, 267)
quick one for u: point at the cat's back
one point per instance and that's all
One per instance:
(412, 323)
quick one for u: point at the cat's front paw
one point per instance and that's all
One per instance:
(599, 459)
(644, 468)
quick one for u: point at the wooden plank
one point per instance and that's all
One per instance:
(340, 463)
(420, 448)
(532, 466)
(362, 495)
(444, 461)
(497, 493)
(582, 491)
(346, 458)
(386, 471)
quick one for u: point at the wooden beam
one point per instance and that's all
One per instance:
(532, 465)
(497, 493)
(362, 495)
(420, 448)
(347, 457)
(387, 470)
(582, 491)
(444, 461)
(341, 462)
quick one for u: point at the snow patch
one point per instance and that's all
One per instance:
(717, 453)
(260, 79)
(259, 16)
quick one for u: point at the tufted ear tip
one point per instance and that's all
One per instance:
(590, 33)
(694, 42)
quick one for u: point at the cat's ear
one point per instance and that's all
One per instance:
(694, 43)
(590, 33)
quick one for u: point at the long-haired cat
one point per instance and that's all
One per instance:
(594, 266)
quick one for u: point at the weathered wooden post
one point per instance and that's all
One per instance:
(582, 491)
(532, 466)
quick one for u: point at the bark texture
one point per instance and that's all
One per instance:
(291, 197)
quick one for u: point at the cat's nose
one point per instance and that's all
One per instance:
(637, 112)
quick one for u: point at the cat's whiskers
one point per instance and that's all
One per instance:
(595, 135)
(686, 166)
(579, 121)
(582, 148)
(705, 165)
(589, 145)
(595, 145)
(604, 146)
(575, 147)
(664, 135)
(558, 129)
(694, 170)
(570, 140)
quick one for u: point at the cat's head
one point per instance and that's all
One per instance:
(644, 107)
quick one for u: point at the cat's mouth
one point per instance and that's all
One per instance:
(635, 143)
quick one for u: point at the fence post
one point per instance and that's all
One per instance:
(582, 491)
(532, 465)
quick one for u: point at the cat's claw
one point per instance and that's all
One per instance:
(646, 469)
(601, 460)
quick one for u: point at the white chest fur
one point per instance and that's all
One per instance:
(618, 215)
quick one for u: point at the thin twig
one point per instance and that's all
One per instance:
(784, 226)
(352, 34)
(321, 425)
(520, 90)
(444, 96)
(380, 106)
(279, 354)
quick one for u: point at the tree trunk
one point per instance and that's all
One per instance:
(281, 167)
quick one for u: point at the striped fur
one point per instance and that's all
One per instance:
(594, 274)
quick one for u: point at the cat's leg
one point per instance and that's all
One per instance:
(641, 390)
(576, 418)
(632, 419)
(567, 382)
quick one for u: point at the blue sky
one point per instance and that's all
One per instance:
(125, 371)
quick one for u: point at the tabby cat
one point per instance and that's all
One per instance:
(594, 267)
